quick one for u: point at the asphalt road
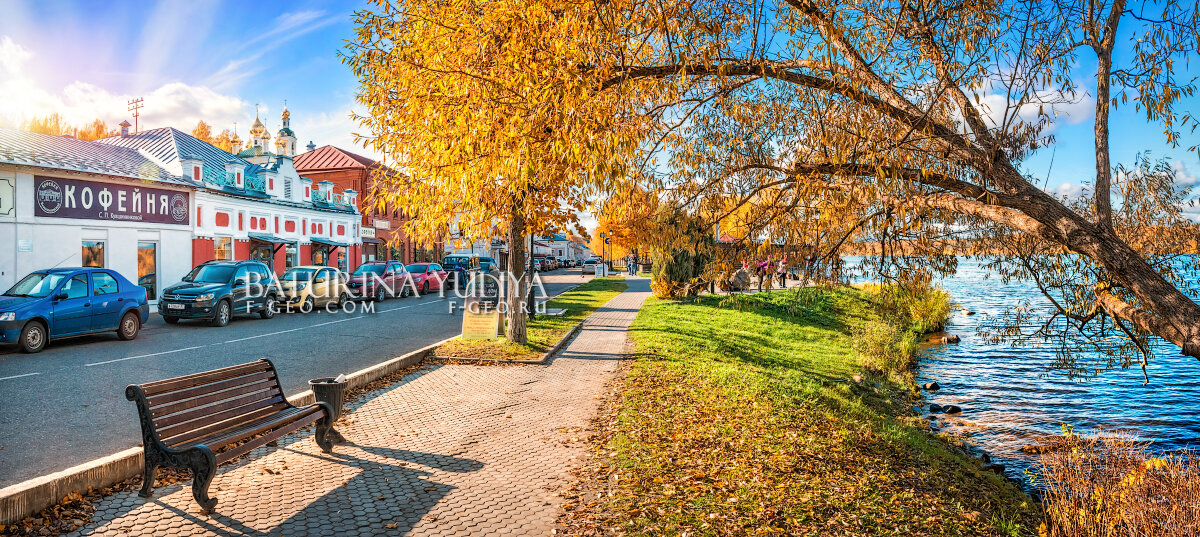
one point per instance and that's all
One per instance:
(66, 405)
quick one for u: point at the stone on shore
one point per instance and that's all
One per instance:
(950, 338)
(936, 408)
(952, 409)
(931, 386)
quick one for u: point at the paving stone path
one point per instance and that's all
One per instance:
(450, 450)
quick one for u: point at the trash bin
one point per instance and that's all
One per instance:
(326, 390)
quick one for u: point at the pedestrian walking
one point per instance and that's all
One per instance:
(781, 271)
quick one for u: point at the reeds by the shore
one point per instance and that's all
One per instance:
(1105, 486)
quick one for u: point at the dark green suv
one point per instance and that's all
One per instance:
(218, 290)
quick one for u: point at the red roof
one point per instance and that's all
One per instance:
(331, 158)
(725, 237)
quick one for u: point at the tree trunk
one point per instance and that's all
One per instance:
(515, 331)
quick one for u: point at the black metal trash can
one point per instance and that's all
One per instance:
(326, 390)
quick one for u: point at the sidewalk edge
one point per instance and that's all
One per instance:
(31, 496)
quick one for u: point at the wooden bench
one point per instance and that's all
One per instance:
(202, 420)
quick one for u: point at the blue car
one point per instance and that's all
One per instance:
(65, 302)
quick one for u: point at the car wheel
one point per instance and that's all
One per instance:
(268, 310)
(308, 305)
(33, 337)
(405, 291)
(380, 294)
(342, 298)
(171, 320)
(425, 287)
(221, 314)
(129, 327)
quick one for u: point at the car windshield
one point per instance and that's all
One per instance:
(419, 269)
(376, 269)
(298, 275)
(454, 261)
(210, 274)
(38, 285)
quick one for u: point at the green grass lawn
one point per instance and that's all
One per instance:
(746, 419)
(542, 332)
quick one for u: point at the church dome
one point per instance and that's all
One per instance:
(258, 130)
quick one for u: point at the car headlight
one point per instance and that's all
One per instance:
(300, 286)
(204, 298)
(8, 316)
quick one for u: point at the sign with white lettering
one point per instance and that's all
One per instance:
(91, 200)
(382, 224)
(368, 232)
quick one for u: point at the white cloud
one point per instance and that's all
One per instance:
(330, 128)
(1069, 190)
(174, 104)
(1062, 109)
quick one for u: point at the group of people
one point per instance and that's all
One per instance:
(768, 269)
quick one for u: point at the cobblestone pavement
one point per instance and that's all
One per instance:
(450, 450)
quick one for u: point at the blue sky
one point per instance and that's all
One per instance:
(190, 60)
(214, 60)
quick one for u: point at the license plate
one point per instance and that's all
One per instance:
(174, 306)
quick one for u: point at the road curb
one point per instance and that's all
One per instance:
(29, 497)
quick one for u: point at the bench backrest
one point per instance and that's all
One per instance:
(185, 408)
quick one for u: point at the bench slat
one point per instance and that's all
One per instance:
(262, 398)
(225, 438)
(268, 385)
(215, 423)
(196, 379)
(171, 397)
(292, 427)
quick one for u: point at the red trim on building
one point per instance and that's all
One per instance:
(196, 173)
(222, 219)
(202, 250)
(241, 250)
(270, 183)
(240, 218)
(276, 224)
(305, 254)
(289, 226)
(341, 230)
(280, 259)
(199, 222)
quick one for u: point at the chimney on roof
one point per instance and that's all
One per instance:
(311, 146)
(125, 129)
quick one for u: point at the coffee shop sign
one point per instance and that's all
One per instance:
(73, 198)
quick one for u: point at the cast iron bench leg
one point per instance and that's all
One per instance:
(204, 466)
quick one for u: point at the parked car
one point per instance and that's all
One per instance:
(313, 286)
(218, 290)
(379, 281)
(66, 302)
(460, 268)
(539, 264)
(427, 275)
(487, 265)
(589, 266)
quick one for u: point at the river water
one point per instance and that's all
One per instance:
(1011, 396)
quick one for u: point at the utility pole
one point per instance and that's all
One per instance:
(134, 106)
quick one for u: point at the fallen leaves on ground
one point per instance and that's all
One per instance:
(725, 426)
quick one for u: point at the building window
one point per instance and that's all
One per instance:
(292, 257)
(223, 248)
(93, 253)
(320, 255)
(287, 189)
(147, 268)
